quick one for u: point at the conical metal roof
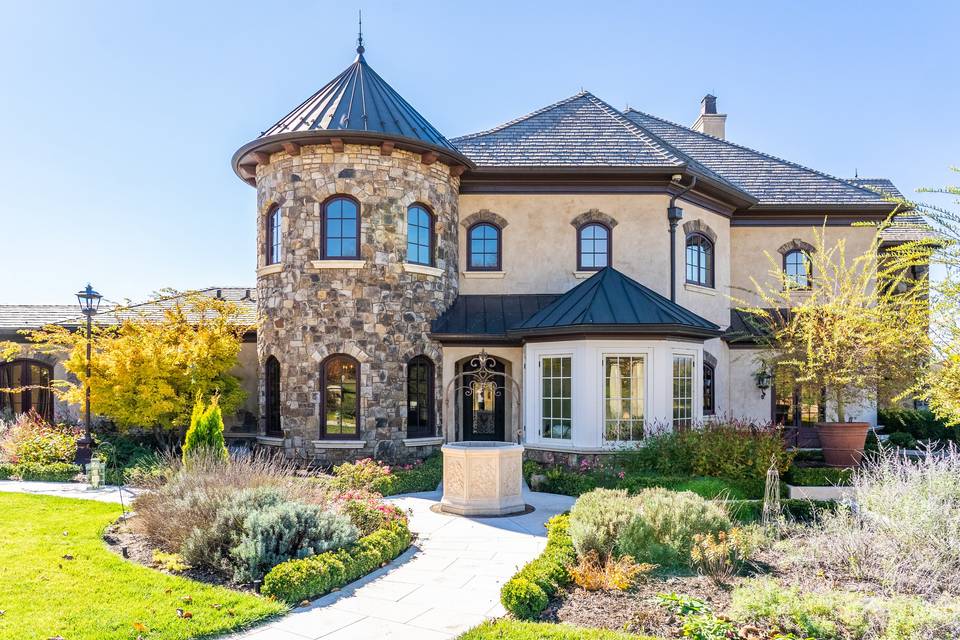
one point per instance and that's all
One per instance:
(360, 100)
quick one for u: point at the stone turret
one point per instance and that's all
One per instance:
(355, 138)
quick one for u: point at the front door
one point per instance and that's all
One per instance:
(484, 406)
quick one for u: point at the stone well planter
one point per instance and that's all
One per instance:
(482, 478)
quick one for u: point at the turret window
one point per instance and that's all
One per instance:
(483, 247)
(420, 398)
(341, 229)
(593, 247)
(271, 379)
(273, 246)
(419, 235)
(699, 260)
(339, 375)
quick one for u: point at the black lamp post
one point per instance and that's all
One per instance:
(89, 303)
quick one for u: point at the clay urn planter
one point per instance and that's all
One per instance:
(842, 442)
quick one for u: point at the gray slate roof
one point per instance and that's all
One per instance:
(772, 180)
(909, 226)
(584, 131)
(14, 317)
(609, 301)
(359, 100)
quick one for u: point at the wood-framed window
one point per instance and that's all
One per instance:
(594, 246)
(420, 235)
(271, 381)
(340, 397)
(421, 413)
(798, 269)
(699, 260)
(274, 245)
(709, 389)
(32, 378)
(340, 231)
(484, 247)
(556, 397)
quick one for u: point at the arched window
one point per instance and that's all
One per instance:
(341, 229)
(339, 376)
(593, 247)
(796, 265)
(420, 398)
(419, 235)
(29, 384)
(483, 247)
(271, 382)
(709, 390)
(273, 244)
(699, 260)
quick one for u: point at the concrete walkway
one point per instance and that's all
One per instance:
(448, 582)
(68, 490)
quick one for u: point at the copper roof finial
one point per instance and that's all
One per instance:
(360, 48)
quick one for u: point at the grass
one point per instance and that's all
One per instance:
(57, 578)
(514, 630)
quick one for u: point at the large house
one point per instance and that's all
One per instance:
(563, 279)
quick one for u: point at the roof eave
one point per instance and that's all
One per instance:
(274, 143)
(648, 330)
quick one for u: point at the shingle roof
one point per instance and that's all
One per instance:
(609, 301)
(909, 226)
(772, 180)
(14, 317)
(487, 317)
(359, 100)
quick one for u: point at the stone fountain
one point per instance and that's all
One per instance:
(482, 478)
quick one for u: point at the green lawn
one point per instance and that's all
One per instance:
(503, 628)
(57, 578)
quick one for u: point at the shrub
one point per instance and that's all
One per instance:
(523, 598)
(904, 535)
(836, 615)
(284, 531)
(360, 474)
(30, 439)
(172, 562)
(7, 470)
(901, 439)
(419, 476)
(125, 455)
(663, 525)
(368, 513)
(297, 580)
(818, 476)
(746, 511)
(921, 424)
(616, 573)
(205, 435)
(722, 555)
(52, 472)
(528, 592)
(597, 520)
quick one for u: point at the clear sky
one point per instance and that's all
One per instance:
(118, 119)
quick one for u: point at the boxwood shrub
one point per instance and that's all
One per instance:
(53, 472)
(818, 476)
(746, 511)
(307, 578)
(529, 591)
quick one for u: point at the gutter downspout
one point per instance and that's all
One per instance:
(674, 215)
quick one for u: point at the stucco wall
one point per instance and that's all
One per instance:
(540, 245)
(755, 252)
(744, 396)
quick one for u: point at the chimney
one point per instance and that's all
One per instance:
(710, 122)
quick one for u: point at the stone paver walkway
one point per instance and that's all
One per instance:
(68, 490)
(446, 583)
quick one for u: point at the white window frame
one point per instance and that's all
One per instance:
(539, 378)
(696, 409)
(648, 358)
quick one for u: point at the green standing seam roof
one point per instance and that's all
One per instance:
(609, 301)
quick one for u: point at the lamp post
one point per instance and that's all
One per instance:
(89, 304)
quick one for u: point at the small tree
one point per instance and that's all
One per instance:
(860, 332)
(205, 435)
(147, 372)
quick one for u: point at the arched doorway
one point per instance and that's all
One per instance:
(486, 400)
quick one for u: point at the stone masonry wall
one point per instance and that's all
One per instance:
(380, 314)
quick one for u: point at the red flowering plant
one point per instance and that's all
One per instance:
(31, 439)
(367, 510)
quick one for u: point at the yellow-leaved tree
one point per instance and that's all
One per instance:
(147, 371)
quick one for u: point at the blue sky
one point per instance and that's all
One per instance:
(119, 118)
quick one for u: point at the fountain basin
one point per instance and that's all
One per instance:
(482, 478)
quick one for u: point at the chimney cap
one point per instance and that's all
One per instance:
(709, 104)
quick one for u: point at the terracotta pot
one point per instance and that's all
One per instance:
(842, 442)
